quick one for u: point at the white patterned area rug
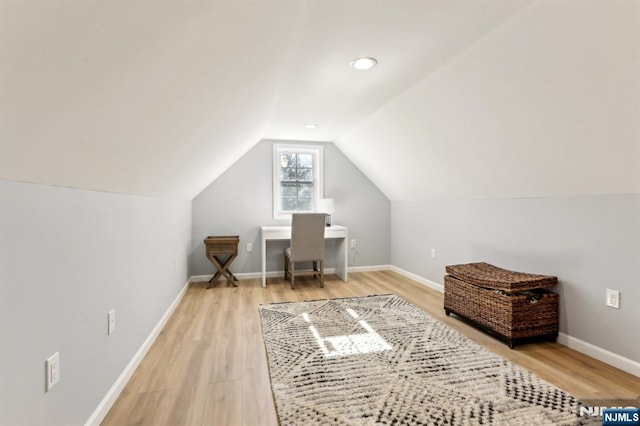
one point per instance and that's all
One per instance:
(380, 360)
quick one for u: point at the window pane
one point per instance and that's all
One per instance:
(289, 190)
(297, 196)
(305, 160)
(287, 159)
(288, 173)
(289, 204)
(305, 174)
(305, 191)
(304, 204)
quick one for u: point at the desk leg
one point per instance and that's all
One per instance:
(263, 255)
(342, 258)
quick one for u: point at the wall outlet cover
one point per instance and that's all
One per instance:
(613, 298)
(52, 371)
(111, 321)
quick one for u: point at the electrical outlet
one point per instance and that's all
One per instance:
(249, 247)
(52, 371)
(111, 321)
(433, 253)
(354, 243)
(613, 298)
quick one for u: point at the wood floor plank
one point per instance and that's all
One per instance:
(224, 404)
(209, 364)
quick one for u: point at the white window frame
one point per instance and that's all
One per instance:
(318, 178)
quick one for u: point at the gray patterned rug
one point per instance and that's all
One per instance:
(380, 360)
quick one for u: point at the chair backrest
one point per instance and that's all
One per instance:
(307, 236)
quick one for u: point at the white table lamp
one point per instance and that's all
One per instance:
(325, 205)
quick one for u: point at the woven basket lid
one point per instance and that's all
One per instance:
(489, 276)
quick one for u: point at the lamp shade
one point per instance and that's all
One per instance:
(325, 205)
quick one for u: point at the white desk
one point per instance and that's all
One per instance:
(284, 233)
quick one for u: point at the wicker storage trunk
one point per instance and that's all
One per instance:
(516, 316)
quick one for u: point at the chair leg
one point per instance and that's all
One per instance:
(322, 273)
(292, 273)
(315, 268)
(286, 268)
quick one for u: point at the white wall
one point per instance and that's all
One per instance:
(67, 257)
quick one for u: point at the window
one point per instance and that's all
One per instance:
(297, 179)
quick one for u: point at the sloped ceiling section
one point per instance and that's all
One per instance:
(547, 104)
(151, 98)
(159, 98)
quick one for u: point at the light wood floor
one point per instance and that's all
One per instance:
(209, 366)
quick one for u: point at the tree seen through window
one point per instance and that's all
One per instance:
(296, 180)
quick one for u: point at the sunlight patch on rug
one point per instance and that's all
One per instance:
(343, 345)
(380, 360)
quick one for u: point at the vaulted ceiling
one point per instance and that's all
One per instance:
(160, 98)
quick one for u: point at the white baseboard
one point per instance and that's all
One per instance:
(418, 278)
(372, 268)
(618, 361)
(110, 398)
(275, 274)
(249, 275)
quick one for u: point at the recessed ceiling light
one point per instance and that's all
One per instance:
(364, 63)
(311, 126)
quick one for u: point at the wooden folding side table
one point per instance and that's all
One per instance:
(216, 247)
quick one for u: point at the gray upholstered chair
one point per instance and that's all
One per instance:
(307, 244)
